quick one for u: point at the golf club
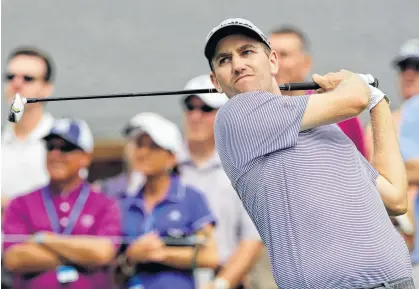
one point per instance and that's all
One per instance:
(18, 106)
(184, 241)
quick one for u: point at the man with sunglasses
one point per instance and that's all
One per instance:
(67, 225)
(407, 62)
(30, 73)
(200, 166)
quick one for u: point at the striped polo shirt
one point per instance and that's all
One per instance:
(311, 194)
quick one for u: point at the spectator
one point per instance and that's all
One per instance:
(200, 166)
(129, 181)
(408, 63)
(68, 226)
(30, 73)
(295, 63)
(407, 66)
(164, 207)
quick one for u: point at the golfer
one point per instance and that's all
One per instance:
(319, 206)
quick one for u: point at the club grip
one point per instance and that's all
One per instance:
(311, 85)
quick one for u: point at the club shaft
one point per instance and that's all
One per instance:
(287, 86)
(169, 241)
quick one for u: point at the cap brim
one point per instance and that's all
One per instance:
(226, 31)
(200, 96)
(400, 59)
(55, 135)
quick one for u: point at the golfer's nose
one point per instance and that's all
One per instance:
(238, 65)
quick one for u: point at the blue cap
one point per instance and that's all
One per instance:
(74, 131)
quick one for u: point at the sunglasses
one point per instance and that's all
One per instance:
(65, 148)
(141, 143)
(405, 65)
(203, 108)
(26, 78)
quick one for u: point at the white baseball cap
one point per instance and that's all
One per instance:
(232, 26)
(163, 132)
(409, 50)
(215, 100)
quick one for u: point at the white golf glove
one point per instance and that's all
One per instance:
(376, 94)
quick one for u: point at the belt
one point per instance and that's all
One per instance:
(402, 283)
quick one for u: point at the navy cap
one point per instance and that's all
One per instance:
(74, 131)
(408, 51)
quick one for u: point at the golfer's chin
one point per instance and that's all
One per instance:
(246, 84)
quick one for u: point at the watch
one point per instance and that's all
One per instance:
(221, 283)
(39, 238)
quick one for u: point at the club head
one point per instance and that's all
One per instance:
(17, 108)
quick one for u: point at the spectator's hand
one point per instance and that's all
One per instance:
(148, 248)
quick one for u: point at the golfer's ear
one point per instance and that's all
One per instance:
(215, 82)
(274, 62)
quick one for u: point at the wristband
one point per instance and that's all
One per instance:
(39, 238)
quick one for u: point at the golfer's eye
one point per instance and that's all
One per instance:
(223, 60)
(247, 52)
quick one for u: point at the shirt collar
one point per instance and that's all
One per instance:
(184, 158)
(175, 194)
(41, 130)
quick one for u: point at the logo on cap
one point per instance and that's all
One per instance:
(175, 215)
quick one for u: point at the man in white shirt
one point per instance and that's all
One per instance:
(29, 72)
(200, 166)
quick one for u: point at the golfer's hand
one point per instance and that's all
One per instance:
(331, 80)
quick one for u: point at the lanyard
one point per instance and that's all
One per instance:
(75, 212)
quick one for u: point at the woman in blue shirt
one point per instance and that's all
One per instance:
(164, 207)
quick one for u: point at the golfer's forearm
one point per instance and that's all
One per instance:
(88, 251)
(387, 158)
(412, 170)
(241, 262)
(27, 258)
(181, 257)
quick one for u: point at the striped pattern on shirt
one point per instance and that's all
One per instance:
(311, 195)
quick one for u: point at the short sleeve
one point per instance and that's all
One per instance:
(409, 129)
(371, 171)
(201, 214)
(15, 222)
(252, 125)
(109, 223)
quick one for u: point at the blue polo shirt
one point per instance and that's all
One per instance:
(184, 211)
(409, 129)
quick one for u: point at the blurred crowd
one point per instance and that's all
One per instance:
(171, 218)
